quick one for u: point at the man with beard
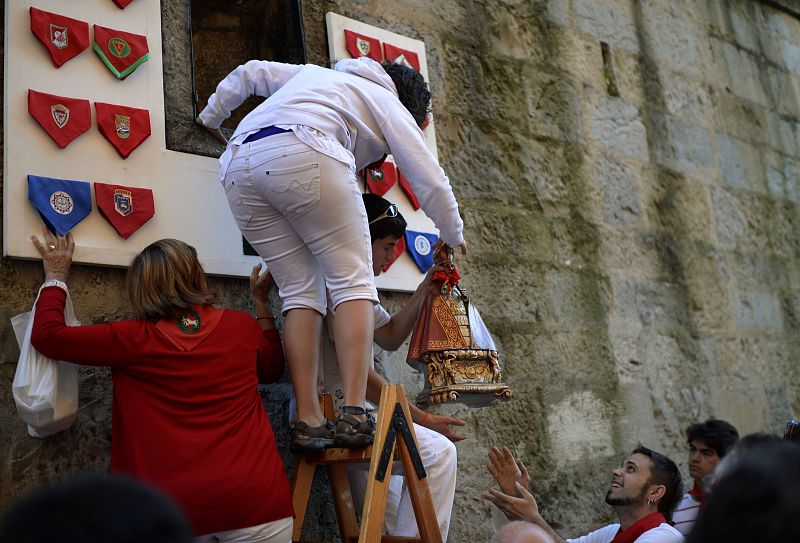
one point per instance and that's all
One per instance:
(708, 442)
(644, 492)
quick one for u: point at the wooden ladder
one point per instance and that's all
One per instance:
(393, 432)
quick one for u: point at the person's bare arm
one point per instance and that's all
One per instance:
(522, 508)
(506, 470)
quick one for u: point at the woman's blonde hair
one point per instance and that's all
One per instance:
(164, 277)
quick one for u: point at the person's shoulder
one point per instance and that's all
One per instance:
(601, 535)
(663, 533)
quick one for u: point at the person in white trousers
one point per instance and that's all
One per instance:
(435, 437)
(289, 174)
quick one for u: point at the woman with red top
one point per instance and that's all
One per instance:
(187, 416)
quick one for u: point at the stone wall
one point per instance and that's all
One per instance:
(633, 246)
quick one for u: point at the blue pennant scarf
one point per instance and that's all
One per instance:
(419, 246)
(61, 203)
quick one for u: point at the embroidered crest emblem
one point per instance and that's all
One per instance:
(422, 245)
(189, 321)
(377, 175)
(58, 36)
(123, 202)
(61, 202)
(119, 47)
(123, 126)
(60, 114)
(363, 46)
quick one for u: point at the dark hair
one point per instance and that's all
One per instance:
(387, 226)
(94, 508)
(664, 472)
(411, 89)
(758, 499)
(717, 434)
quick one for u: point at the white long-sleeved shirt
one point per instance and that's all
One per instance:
(351, 113)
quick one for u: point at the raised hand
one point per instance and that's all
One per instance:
(56, 254)
(507, 471)
(442, 424)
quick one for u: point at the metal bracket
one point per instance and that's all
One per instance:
(399, 425)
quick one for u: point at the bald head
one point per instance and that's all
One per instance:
(521, 532)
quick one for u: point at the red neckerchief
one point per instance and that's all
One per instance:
(699, 494)
(125, 208)
(191, 326)
(632, 532)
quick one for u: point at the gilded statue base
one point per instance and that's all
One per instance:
(468, 376)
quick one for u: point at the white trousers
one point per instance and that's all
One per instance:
(277, 531)
(439, 458)
(302, 212)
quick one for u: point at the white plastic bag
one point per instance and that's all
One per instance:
(45, 390)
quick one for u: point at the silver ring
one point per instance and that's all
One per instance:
(52, 246)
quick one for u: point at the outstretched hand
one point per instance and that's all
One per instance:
(442, 424)
(216, 132)
(522, 508)
(261, 284)
(56, 254)
(507, 471)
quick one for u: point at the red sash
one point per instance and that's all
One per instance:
(122, 4)
(191, 326)
(121, 52)
(125, 208)
(406, 186)
(63, 118)
(124, 127)
(380, 180)
(401, 56)
(63, 37)
(632, 532)
(359, 45)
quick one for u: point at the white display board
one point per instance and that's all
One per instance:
(189, 201)
(404, 275)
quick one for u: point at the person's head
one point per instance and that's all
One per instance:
(94, 508)
(386, 227)
(166, 276)
(411, 89)
(646, 478)
(757, 499)
(709, 442)
(521, 532)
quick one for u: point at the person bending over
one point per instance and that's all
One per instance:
(289, 173)
(644, 491)
(186, 414)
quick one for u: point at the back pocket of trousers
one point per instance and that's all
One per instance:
(295, 189)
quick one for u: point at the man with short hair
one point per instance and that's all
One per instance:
(644, 491)
(435, 435)
(709, 442)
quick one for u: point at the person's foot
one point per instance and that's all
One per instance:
(307, 438)
(351, 432)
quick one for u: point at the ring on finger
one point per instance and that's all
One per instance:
(52, 246)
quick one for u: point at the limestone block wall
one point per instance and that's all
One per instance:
(633, 247)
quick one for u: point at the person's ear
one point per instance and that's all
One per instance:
(656, 493)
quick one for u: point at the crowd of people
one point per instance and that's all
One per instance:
(187, 417)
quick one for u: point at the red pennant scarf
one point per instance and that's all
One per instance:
(632, 532)
(191, 326)
(125, 208)
(380, 180)
(359, 45)
(398, 250)
(699, 494)
(125, 127)
(406, 186)
(401, 56)
(122, 4)
(63, 118)
(121, 52)
(63, 37)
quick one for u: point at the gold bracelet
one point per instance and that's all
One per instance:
(266, 317)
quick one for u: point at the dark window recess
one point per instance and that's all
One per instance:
(248, 249)
(204, 40)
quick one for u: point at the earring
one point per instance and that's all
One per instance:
(651, 502)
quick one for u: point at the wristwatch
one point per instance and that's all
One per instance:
(55, 283)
